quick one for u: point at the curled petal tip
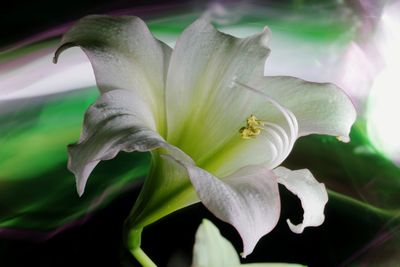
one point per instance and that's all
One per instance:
(79, 190)
(61, 49)
(267, 30)
(297, 229)
(266, 37)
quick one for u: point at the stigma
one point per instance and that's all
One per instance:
(253, 127)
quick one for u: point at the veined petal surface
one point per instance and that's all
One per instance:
(312, 194)
(247, 199)
(204, 110)
(118, 120)
(124, 55)
(315, 108)
(320, 108)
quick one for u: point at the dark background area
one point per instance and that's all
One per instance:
(22, 19)
(98, 242)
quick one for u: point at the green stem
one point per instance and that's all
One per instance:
(142, 258)
(134, 241)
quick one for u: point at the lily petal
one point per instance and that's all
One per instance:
(205, 90)
(124, 55)
(248, 199)
(312, 194)
(320, 108)
(119, 120)
(211, 249)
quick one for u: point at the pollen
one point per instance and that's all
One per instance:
(252, 129)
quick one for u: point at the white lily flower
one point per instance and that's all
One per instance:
(211, 249)
(216, 127)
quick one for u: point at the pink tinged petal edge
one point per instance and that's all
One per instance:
(247, 199)
(312, 194)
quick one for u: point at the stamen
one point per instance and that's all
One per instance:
(290, 118)
(253, 127)
(284, 141)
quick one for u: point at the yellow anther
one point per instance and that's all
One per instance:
(252, 121)
(252, 129)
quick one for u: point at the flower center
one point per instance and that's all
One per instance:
(253, 127)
